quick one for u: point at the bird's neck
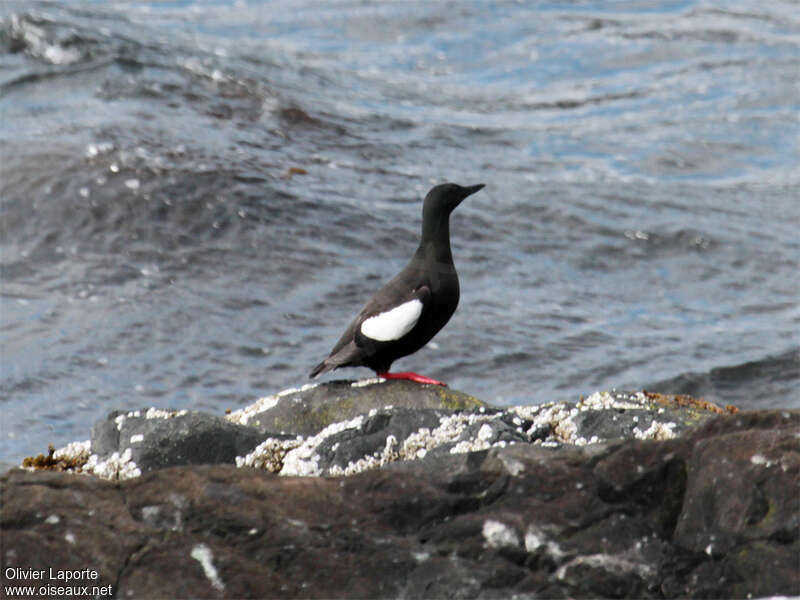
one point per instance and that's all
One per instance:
(435, 242)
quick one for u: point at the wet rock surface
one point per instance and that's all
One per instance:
(617, 495)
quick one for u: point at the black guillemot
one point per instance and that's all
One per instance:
(408, 311)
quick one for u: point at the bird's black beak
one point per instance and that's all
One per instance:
(469, 190)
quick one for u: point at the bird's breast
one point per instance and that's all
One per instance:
(443, 280)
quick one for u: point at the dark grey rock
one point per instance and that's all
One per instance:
(401, 421)
(613, 424)
(641, 415)
(401, 433)
(369, 438)
(170, 438)
(105, 434)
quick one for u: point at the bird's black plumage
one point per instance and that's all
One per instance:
(425, 294)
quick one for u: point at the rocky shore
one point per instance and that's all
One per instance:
(376, 489)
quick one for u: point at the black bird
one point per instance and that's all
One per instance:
(409, 310)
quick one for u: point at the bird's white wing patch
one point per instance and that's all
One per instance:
(393, 324)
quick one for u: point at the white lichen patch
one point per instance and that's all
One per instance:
(607, 400)
(304, 460)
(512, 465)
(243, 415)
(566, 430)
(465, 446)
(499, 535)
(378, 459)
(367, 382)
(150, 413)
(160, 413)
(74, 451)
(656, 431)
(760, 459)
(450, 428)
(609, 563)
(486, 432)
(303, 463)
(115, 467)
(421, 557)
(558, 416)
(202, 554)
(537, 540)
(269, 454)
(150, 512)
(120, 419)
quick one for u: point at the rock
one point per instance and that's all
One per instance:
(338, 440)
(397, 433)
(126, 444)
(712, 512)
(308, 410)
(155, 439)
(62, 521)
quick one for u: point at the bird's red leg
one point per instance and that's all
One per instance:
(411, 376)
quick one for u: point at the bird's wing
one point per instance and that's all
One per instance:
(389, 315)
(394, 323)
(385, 321)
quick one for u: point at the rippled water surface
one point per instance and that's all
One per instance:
(198, 196)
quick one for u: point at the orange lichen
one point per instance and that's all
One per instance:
(684, 400)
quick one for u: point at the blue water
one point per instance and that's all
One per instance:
(198, 196)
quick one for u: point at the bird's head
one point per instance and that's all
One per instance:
(444, 198)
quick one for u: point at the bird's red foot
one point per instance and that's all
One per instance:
(411, 376)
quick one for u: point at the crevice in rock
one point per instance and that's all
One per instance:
(785, 535)
(135, 551)
(471, 483)
(758, 507)
(673, 494)
(495, 491)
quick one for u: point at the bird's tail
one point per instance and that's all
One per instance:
(320, 368)
(348, 356)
